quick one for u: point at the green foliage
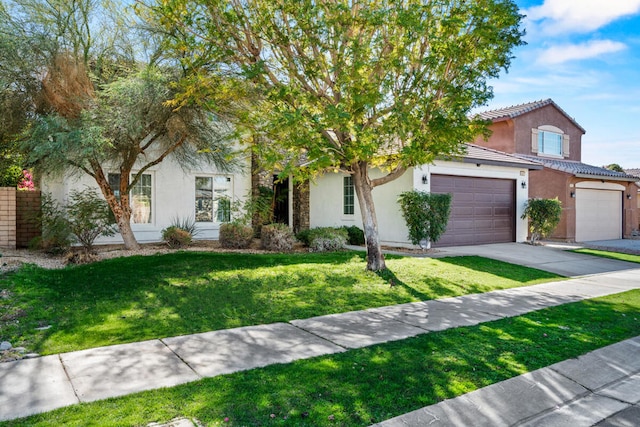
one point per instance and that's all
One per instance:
(544, 216)
(89, 217)
(324, 239)
(56, 234)
(10, 176)
(187, 224)
(259, 208)
(425, 214)
(277, 237)
(355, 235)
(353, 86)
(235, 235)
(176, 237)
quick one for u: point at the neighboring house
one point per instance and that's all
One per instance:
(598, 203)
(166, 193)
(636, 172)
(489, 191)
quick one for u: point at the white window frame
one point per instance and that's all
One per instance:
(538, 145)
(152, 210)
(215, 201)
(348, 197)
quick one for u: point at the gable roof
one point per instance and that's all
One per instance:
(581, 170)
(514, 111)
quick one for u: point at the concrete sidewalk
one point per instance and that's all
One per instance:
(42, 384)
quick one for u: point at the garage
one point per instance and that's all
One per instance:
(598, 214)
(482, 210)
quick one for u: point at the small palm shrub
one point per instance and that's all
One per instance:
(176, 237)
(277, 237)
(235, 235)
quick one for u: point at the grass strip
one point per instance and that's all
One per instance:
(608, 254)
(368, 385)
(144, 297)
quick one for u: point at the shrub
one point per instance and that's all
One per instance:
(89, 217)
(277, 237)
(544, 216)
(186, 224)
(235, 235)
(56, 233)
(324, 239)
(355, 235)
(78, 258)
(426, 214)
(176, 237)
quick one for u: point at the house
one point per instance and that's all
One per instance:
(168, 192)
(489, 191)
(636, 172)
(598, 204)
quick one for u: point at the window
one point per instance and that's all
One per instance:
(349, 193)
(550, 143)
(213, 198)
(140, 197)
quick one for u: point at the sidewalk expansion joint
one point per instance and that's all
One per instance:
(73, 387)
(181, 359)
(318, 336)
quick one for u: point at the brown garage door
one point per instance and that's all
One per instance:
(482, 210)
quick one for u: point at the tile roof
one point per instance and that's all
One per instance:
(633, 172)
(518, 110)
(482, 155)
(580, 169)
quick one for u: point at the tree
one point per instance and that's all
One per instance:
(105, 100)
(354, 85)
(128, 124)
(615, 167)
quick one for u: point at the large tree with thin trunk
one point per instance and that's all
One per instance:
(356, 85)
(105, 101)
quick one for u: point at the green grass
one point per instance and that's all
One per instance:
(144, 297)
(607, 254)
(367, 385)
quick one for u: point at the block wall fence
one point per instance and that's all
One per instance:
(17, 212)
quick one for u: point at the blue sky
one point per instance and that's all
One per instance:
(585, 55)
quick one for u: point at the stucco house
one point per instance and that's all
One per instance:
(598, 203)
(168, 192)
(489, 191)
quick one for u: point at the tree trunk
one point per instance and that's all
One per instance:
(363, 188)
(120, 208)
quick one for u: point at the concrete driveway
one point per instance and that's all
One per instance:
(554, 258)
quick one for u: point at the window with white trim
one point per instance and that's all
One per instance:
(549, 143)
(213, 198)
(348, 205)
(140, 197)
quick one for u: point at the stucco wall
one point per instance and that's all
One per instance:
(326, 198)
(173, 196)
(547, 115)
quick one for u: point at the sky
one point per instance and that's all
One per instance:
(585, 55)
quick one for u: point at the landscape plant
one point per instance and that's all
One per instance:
(176, 237)
(235, 235)
(544, 216)
(56, 236)
(426, 215)
(89, 217)
(277, 237)
(350, 86)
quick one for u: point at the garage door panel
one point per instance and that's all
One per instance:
(482, 210)
(598, 214)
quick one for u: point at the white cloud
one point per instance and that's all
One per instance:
(564, 16)
(572, 52)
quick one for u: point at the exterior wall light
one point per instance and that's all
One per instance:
(524, 185)
(628, 196)
(425, 179)
(573, 194)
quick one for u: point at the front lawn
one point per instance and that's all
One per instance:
(607, 254)
(360, 387)
(144, 297)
